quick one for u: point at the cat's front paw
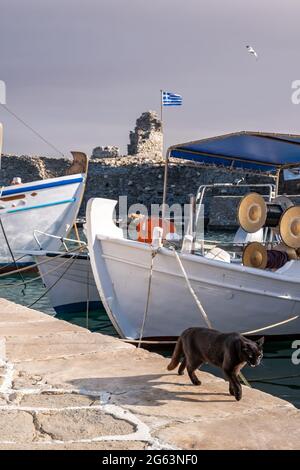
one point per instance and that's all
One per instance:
(238, 395)
(196, 381)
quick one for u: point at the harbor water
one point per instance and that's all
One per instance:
(276, 375)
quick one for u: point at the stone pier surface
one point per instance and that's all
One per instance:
(62, 387)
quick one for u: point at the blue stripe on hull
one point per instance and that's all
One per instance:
(77, 307)
(53, 184)
(41, 206)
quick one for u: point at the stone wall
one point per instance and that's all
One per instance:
(111, 151)
(31, 168)
(147, 137)
(141, 180)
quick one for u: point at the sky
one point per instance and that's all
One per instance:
(81, 72)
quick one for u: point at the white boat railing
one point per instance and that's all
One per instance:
(63, 239)
(204, 187)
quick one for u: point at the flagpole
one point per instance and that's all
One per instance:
(164, 201)
(176, 100)
(161, 119)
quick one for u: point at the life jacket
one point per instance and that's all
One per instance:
(147, 224)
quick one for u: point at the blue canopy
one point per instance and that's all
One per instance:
(248, 150)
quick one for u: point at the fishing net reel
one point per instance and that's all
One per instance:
(283, 217)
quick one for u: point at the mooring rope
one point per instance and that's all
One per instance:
(73, 258)
(259, 330)
(12, 284)
(3, 267)
(153, 254)
(198, 303)
(34, 265)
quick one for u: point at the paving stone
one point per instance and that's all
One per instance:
(81, 424)
(241, 433)
(57, 400)
(60, 344)
(16, 426)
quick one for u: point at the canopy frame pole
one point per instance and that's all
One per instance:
(277, 182)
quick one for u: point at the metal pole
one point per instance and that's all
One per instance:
(165, 185)
(161, 119)
(277, 182)
(166, 159)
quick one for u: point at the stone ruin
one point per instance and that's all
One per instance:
(145, 141)
(147, 138)
(106, 152)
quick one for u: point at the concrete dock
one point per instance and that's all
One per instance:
(62, 387)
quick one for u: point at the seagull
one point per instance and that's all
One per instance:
(252, 51)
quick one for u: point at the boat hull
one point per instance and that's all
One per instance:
(70, 282)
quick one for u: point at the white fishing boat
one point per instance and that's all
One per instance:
(69, 281)
(30, 211)
(156, 291)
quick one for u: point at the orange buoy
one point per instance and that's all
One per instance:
(146, 226)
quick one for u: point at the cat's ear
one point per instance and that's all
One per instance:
(260, 341)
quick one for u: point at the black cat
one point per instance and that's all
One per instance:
(230, 351)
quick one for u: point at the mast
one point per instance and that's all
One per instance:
(165, 184)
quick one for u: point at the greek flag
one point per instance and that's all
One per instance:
(171, 99)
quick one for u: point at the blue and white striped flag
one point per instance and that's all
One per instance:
(171, 99)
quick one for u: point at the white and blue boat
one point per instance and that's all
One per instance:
(30, 212)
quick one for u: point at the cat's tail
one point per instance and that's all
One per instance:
(176, 355)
